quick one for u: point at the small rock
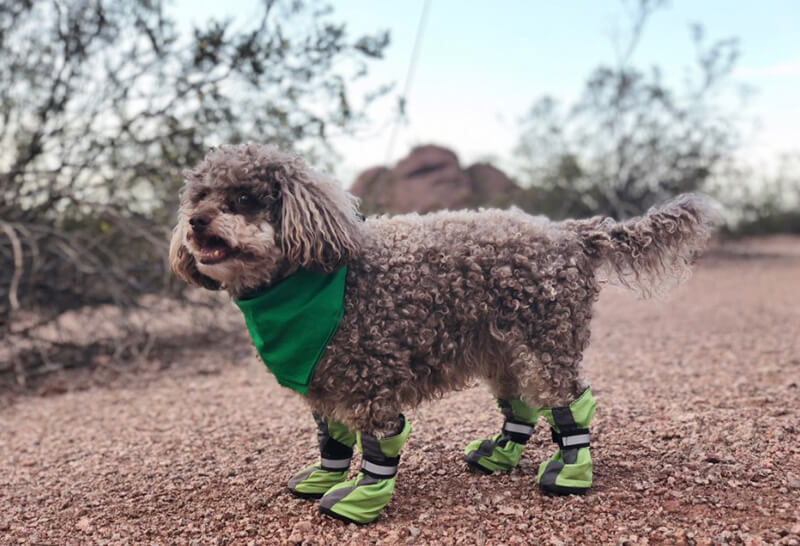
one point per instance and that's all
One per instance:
(301, 529)
(509, 511)
(84, 524)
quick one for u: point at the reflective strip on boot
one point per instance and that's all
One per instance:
(569, 471)
(361, 500)
(335, 455)
(568, 436)
(518, 428)
(568, 429)
(334, 465)
(502, 452)
(378, 470)
(374, 462)
(515, 427)
(517, 431)
(576, 438)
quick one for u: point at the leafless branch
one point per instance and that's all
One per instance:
(13, 287)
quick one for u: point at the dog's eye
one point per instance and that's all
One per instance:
(243, 202)
(199, 196)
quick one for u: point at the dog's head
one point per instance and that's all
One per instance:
(250, 214)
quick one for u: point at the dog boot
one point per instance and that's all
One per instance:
(502, 453)
(569, 471)
(361, 500)
(336, 448)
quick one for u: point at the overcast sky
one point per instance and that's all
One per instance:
(482, 64)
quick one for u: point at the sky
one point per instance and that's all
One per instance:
(482, 64)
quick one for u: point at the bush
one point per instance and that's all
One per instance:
(102, 105)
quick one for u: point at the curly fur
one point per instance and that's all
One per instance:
(651, 254)
(432, 302)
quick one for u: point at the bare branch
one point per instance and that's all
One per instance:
(13, 287)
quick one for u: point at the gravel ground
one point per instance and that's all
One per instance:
(695, 440)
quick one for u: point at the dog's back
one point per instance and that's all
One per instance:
(435, 300)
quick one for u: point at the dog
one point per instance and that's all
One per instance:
(423, 305)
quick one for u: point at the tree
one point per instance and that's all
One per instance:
(103, 103)
(763, 201)
(630, 140)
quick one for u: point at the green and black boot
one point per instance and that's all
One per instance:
(336, 449)
(569, 471)
(503, 452)
(361, 500)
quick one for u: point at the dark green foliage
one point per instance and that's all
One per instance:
(764, 204)
(631, 140)
(102, 105)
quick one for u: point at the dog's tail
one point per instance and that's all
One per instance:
(653, 253)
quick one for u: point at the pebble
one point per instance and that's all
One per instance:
(674, 382)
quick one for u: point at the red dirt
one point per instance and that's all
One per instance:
(695, 440)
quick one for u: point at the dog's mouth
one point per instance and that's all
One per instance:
(214, 250)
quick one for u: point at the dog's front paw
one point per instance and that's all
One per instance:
(313, 482)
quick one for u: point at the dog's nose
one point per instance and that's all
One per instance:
(199, 223)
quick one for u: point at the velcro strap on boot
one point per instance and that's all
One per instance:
(334, 450)
(575, 438)
(383, 469)
(517, 431)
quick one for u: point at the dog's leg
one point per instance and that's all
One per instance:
(336, 448)
(569, 471)
(503, 451)
(361, 500)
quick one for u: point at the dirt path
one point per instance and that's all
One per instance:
(695, 441)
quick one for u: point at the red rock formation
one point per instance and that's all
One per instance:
(431, 178)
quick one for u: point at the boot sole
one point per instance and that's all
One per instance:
(478, 468)
(560, 491)
(301, 495)
(345, 519)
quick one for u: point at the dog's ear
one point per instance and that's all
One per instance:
(319, 222)
(183, 265)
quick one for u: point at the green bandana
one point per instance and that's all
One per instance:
(292, 322)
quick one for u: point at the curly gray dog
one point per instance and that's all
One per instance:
(370, 317)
